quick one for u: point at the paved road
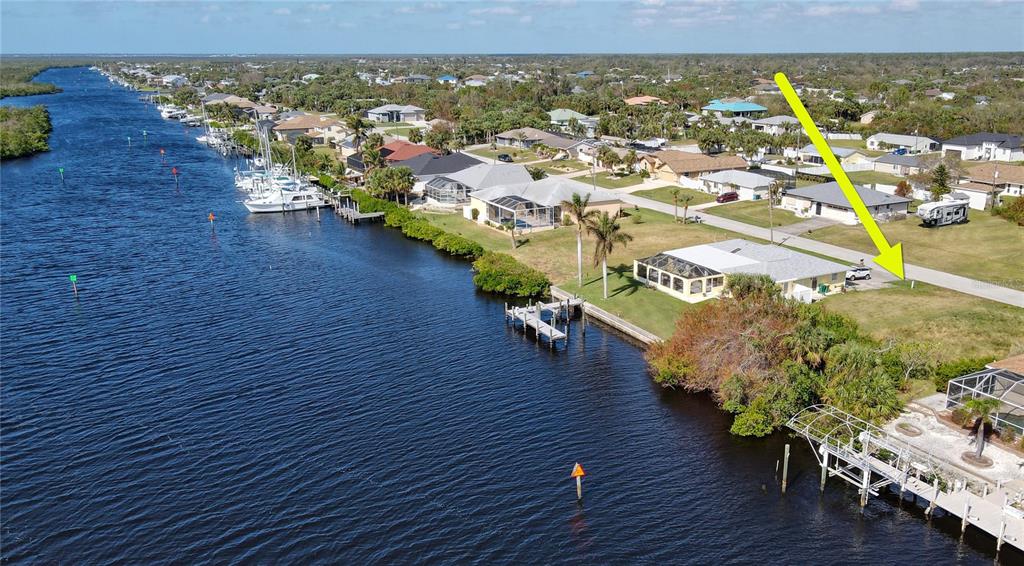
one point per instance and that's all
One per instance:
(915, 272)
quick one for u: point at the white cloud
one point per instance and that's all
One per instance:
(477, 23)
(282, 11)
(905, 5)
(319, 7)
(526, 19)
(826, 10)
(652, 2)
(453, 25)
(495, 11)
(643, 22)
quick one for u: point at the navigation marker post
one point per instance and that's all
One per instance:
(129, 141)
(161, 155)
(578, 473)
(211, 218)
(174, 171)
(74, 286)
(61, 171)
(889, 258)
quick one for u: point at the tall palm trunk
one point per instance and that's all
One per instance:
(579, 255)
(604, 275)
(980, 440)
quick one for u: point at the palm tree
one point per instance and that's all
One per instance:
(608, 232)
(774, 190)
(374, 141)
(357, 125)
(403, 182)
(372, 159)
(630, 160)
(674, 191)
(511, 227)
(415, 135)
(981, 410)
(686, 207)
(577, 211)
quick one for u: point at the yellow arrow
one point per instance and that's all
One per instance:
(890, 258)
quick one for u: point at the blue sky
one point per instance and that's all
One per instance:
(541, 26)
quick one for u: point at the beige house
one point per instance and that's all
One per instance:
(288, 130)
(681, 166)
(698, 273)
(997, 179)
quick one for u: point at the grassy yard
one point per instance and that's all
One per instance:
(871, 177)
(403, 132)
(961, 325)
(754, 212)
(554, 253)
(518, 155)
(662, 194)
(607, 180)
(986, 248)
(561, 166)
(326, 150)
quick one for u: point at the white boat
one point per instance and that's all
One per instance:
(173, 113)
(286, 201)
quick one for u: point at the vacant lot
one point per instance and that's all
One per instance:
(664, 194)
(872, 177)
(609, 181)
(960, 325)
(754, 212)
(988, 248)
(518, 155)
(561, 166)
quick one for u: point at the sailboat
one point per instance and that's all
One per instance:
(278, 191)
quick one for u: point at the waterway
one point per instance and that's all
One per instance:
(277, 389)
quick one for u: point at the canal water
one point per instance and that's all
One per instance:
(274, 389)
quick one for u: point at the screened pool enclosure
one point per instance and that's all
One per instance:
(443, 190)
(523, 213)
(1004, 385)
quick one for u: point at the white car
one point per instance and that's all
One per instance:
(857, 272)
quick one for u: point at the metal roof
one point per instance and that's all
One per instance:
(831, 194)
(677, 266)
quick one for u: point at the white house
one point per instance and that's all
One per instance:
(560, 118)
(986, 184)
(912, 144)
(310, 77)
(749, 185)
(845, 155)
(775, 125)
(828, 201)
(697, 273)
(396, 113)
(899, 165)
(174, 80)
(535, 205)
(985, 146)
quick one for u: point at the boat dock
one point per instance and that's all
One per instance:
(870, 459)
(543, 318)
(597, 313)
(347, 208)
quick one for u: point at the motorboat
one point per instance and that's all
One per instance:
(286, 201)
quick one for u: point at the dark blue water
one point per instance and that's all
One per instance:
(279, 390)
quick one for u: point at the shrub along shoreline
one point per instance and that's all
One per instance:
(24, 131)
(495, 272)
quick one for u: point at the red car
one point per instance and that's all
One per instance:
(727, 197)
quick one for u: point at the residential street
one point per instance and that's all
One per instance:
(913, 272)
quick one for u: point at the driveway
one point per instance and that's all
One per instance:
(931, 276)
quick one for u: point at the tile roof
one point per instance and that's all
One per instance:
(643, 100)
(305, 122)
(682, 162)
(1014, 364)
(987, 173)
(400, 150)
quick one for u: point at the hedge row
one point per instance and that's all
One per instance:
(416, 228)
(502, 273)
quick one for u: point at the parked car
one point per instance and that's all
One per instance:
(857, 272)
(727, 197)
(504, 158)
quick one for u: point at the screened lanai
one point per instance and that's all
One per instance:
(446, 191)
(679, 277)
(1002, 384)
(521, 212)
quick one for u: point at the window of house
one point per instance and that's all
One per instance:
(641, 271)
(697, 286)
(679, 284)
(666, 280)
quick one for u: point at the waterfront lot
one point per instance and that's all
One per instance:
(960, 325)
(554, 253)
(986, 248)
(663, 194)
(754, 212)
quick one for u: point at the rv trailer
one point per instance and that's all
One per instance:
(943, 212)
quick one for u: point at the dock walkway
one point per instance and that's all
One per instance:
(543, 318)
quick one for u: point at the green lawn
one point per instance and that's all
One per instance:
(959, 325)
(871, 177)
(404, 132)
(663, 194)
(986, 248)
(561, 166)
(518, 155)
(326, 150)
(607, 180)
(856, 144)
(753, 212)
(652, 310)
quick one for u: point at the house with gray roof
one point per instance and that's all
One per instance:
(748, 184)
(698, 273)
(454, 188)
(537, 204)
(828, 201)
(900, 165)
(845, 155)
(985, 146)
(910, 144)
(396, 113)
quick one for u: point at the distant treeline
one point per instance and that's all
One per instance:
(16, 79)
(23, 131)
